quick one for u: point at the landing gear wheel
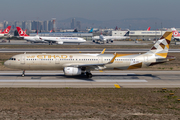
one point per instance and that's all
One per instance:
(89, 75)
(50, 43)
(23, 73)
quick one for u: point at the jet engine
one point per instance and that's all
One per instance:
(70, 71)
(59, 42)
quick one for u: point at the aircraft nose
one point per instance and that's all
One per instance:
(6, 63)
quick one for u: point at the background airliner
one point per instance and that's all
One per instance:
(107, 39)
(149, 28)
(5, 32)
(175, 34)
(50, 40)
(77, 64)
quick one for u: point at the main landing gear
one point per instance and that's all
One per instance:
(89, 75)
(23, 73)
(50, 43)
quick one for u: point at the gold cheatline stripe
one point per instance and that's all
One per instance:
(164, 55)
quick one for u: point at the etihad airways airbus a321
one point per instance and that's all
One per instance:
(77, 64)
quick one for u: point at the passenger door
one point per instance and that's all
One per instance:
(22, 59)
(57, 61)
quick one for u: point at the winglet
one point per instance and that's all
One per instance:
(103, 51)
(112, 60)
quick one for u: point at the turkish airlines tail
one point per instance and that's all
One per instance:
(148, 28)
(25, 31)
(21, 32)
(175, 32)
(6, 31)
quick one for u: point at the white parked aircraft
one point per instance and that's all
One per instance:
(107, 39)
(32, 39)
(50, 40)
(77, 64)
(5, 32)
(61, 40)
(176, 34)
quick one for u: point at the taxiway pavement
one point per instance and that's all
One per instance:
(3, 50)
(106, 79)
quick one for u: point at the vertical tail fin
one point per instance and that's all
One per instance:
(91, 30)
(161, 47)
(21, 32)
(148, 28)
(25, 31)
(127, 34)
(6, 31)
(175, 32)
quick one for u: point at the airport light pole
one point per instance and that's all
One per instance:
(130, 27)
(161, 28)
(155, 31)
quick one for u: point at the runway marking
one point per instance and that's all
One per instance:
(66, 81)
(104, 73)
(75, 51)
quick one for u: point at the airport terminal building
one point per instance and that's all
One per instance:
(140, 34)
(87, 36)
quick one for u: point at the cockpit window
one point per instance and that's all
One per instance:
(12, 59)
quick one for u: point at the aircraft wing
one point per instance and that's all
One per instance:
(48, 39)
(95, 38)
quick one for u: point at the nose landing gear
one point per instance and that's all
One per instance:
(23, 73)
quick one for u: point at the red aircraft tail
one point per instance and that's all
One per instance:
(6, 31)
(21, 32)
(148, 28)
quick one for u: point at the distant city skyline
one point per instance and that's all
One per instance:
(82, 24)
(101, 10)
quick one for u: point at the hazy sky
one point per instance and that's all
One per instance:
(102, 10)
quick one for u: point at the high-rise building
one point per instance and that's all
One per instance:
(5, 24)
(78, 25)
(54, 24)
(45, 25)
(73, 25)
(18, 24)
(50, 25)
(28, 25)
(34, 25)
(24, 25)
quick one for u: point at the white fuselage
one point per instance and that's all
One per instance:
(59, 40)
(104, 38)
(34, 39)
(2, 35)
(64, 39)
(177, 37)
(60, 61)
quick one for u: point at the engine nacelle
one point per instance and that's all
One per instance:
(59, 42)
(70, 71)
